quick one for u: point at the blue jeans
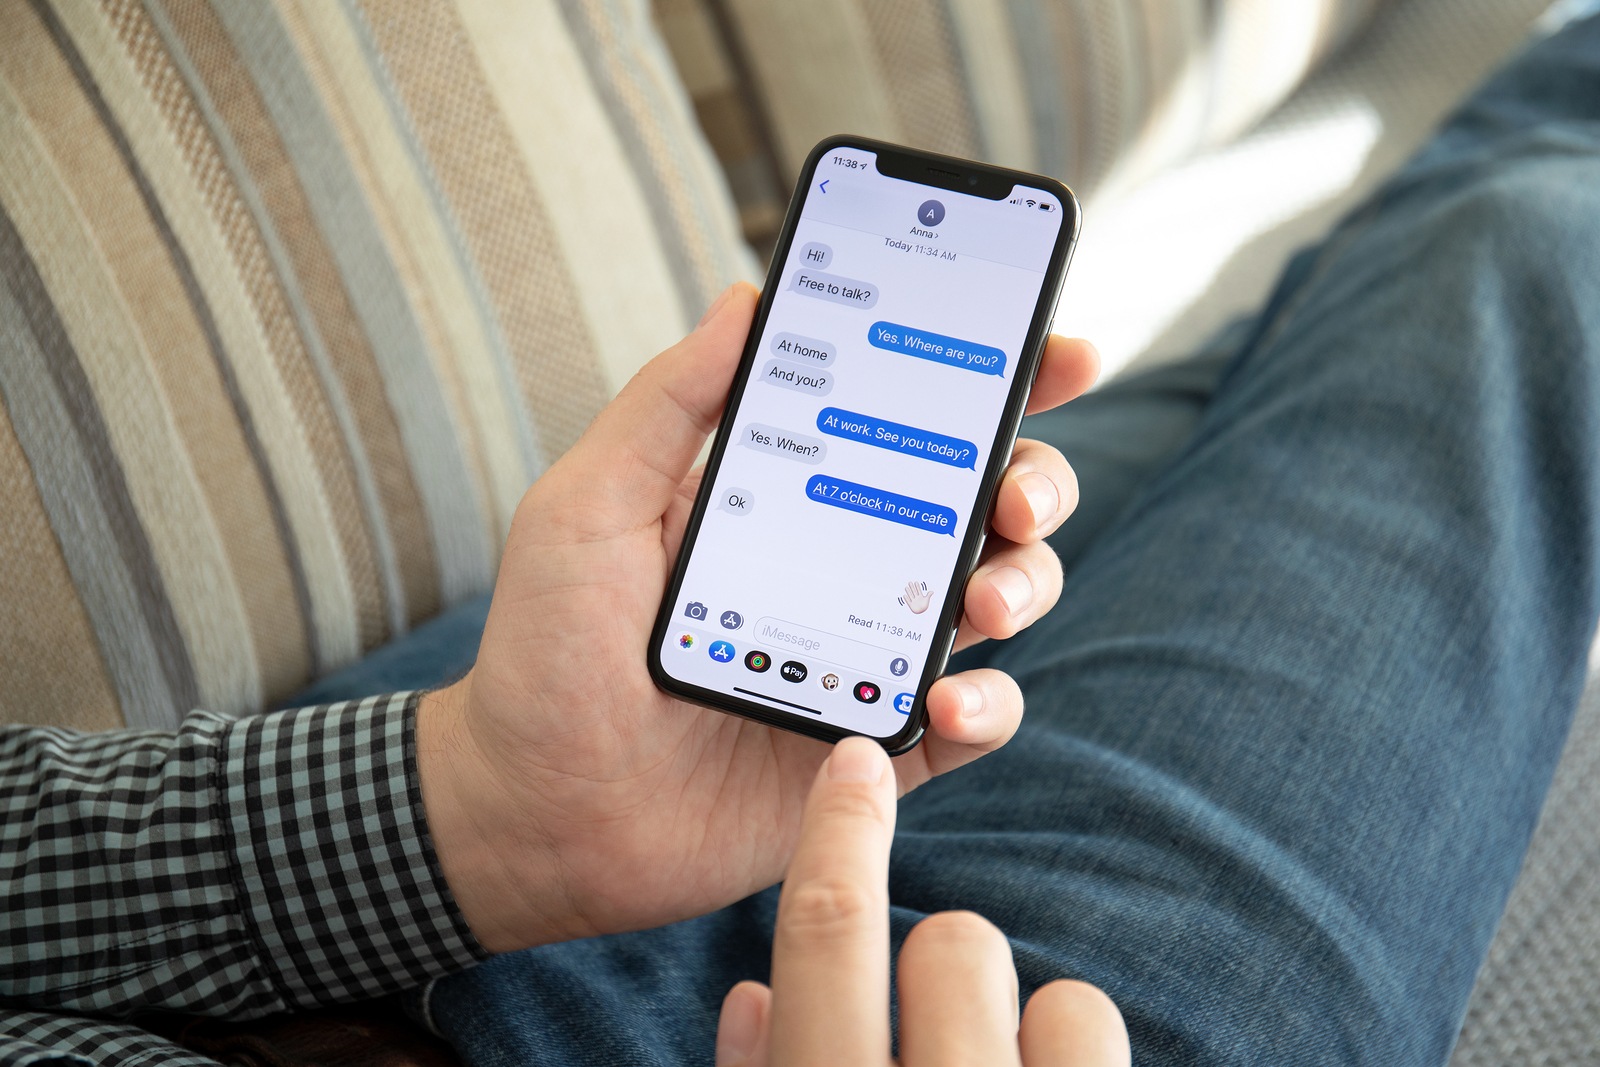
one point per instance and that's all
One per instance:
(1329, 598)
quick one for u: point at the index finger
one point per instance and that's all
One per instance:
(1069, 366)
(830, 952)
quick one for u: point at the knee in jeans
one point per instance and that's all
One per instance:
(1537, 211)
(1515, 251)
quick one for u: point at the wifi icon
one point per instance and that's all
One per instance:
(1033, 203)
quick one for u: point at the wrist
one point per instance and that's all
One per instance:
(488, 852)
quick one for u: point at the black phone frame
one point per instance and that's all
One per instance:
(941, 172)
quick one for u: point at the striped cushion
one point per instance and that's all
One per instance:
(1096, 92)
(296, 298)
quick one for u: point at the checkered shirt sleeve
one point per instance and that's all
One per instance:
(233, 868)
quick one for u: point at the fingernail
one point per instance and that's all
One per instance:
(716, 306)
(1043, 498)
(738, 1030)
(855, 759)
(971, 699)
(1015, 590)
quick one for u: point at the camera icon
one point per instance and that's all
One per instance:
(695, 610)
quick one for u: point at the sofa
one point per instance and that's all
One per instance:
(299, 297)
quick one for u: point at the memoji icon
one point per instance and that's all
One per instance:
(830, 682)
(686, 641)
(720, 651)
(903, 702)
(757, 661)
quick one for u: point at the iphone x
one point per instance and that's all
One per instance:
(847, 494)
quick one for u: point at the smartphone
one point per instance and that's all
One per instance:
(847, 494)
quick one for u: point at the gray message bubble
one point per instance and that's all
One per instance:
(736, 501)
(808, 380)
(795, 446)
(803, 349)
(846, 291)
(816, 254)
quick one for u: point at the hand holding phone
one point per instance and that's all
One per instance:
(821, 582)
(566, 795)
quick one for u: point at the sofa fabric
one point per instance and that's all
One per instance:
(1099, 93)
(1154, 278)
(296, 298)
(1537, 1002)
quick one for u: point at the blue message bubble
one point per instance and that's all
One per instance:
(882, 504)
(898, 437)
(936, 347)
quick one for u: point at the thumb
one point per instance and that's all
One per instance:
(622, 473)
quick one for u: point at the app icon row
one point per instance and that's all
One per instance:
(794, 671)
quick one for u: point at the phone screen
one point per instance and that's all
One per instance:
(822, 580)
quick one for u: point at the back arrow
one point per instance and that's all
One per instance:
(823, 188)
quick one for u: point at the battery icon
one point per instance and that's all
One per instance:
(1045, 205)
